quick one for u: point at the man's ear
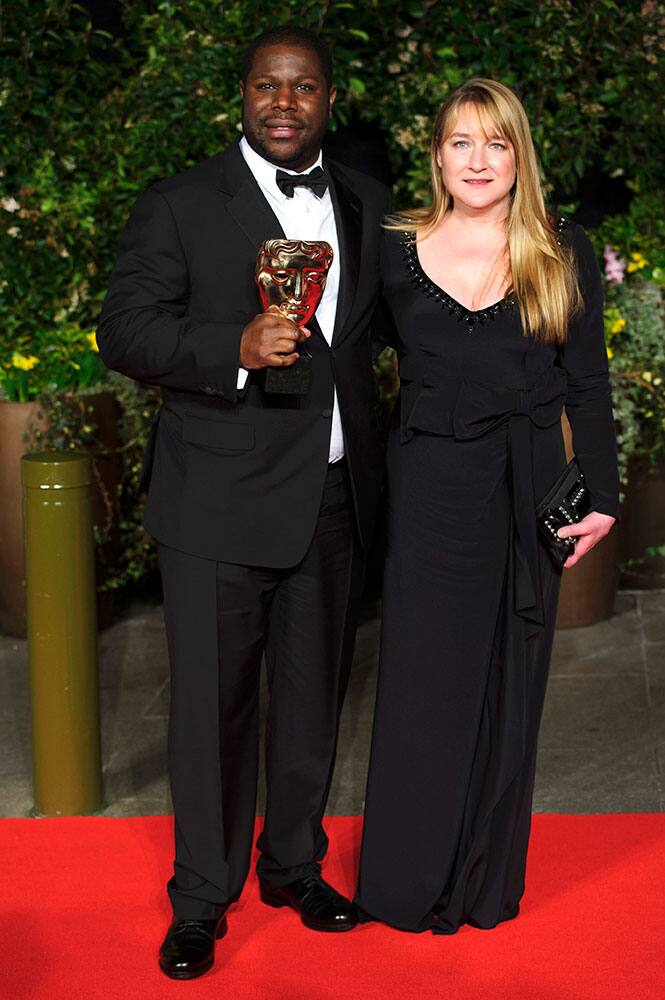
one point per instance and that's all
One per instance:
(332, 94)
(241, 87)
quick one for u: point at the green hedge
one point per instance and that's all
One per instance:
(86, 121)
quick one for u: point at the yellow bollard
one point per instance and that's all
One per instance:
(62, 633)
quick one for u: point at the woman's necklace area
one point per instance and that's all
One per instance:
(471, 317)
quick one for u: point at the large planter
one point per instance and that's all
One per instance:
(18, 424)
(588, 590)
(643, 526)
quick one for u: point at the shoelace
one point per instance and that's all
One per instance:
(315, 884)
(188, 925)
(312, 873)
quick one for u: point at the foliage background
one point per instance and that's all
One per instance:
(88, 119)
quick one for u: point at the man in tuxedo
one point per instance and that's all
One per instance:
(262, 504)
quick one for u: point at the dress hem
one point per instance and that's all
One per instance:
(434, 927)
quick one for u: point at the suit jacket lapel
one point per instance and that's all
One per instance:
(247, 205)
(348, 218)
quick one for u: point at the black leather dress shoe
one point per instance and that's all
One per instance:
(320, 906)
(188, 949)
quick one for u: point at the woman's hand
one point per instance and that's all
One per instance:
(589, 531)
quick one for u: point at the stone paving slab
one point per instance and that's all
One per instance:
(602, 746)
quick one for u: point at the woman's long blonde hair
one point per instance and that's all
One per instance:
(543, 277)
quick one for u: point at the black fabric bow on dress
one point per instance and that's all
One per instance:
(316, 179)
(479, 409)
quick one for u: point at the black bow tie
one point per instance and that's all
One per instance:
(316, 179)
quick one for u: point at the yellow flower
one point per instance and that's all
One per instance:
(618, 325)
(92, 340)
(637, 262)
(23, 362)
(610, 352)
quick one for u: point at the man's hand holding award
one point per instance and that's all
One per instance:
(291, 276)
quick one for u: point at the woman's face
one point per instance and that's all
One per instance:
(477, 164)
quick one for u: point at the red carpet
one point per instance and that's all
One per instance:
(84, 911)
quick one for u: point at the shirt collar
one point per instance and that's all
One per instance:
(265, 172)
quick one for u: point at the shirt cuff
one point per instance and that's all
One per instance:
(243, 375)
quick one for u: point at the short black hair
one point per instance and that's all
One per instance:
(290, 34)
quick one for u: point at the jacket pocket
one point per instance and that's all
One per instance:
(228, 436)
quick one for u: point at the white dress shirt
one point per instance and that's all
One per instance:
(304, 217)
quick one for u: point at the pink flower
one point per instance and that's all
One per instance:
(614, 266)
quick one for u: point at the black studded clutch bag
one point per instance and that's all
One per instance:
(566, 503)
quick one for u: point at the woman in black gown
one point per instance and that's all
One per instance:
(499, 323)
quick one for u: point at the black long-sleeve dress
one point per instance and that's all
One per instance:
(470, 594)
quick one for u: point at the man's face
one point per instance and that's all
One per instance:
(286, 105)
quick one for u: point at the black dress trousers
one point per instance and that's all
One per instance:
(220, 618)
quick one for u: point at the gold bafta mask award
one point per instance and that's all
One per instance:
(292, 274)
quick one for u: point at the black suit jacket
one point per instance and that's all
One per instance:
(238, 476)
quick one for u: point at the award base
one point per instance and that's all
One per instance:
(295, 380)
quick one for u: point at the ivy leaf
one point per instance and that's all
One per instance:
(453, 75)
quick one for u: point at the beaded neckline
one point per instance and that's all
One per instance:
(422, 280)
